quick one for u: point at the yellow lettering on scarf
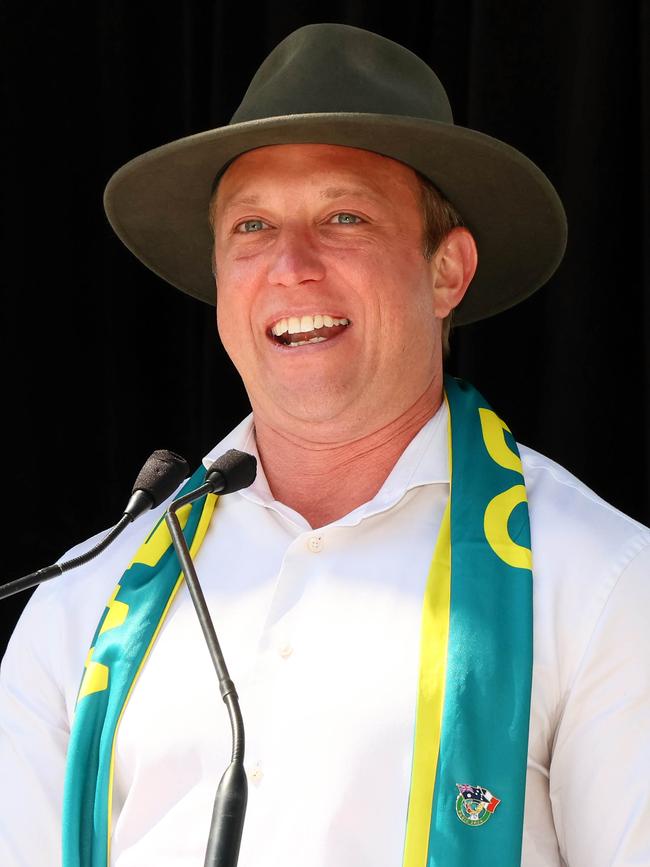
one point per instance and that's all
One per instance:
(116, 614)
(495, 442)
(159, 541)
(499, 509)
(495, 525)
(95, 677)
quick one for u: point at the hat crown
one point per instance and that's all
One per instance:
(323, 68)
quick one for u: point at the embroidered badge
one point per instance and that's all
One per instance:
(474, 804)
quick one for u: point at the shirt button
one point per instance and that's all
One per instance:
(315, 544)
(256, 774)
(285, 650)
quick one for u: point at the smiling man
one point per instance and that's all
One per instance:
(332, 315)
(438, 637)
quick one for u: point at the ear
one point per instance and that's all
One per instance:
(454, 264)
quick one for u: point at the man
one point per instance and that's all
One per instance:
(372, 588)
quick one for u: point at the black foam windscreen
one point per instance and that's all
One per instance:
(236, 469)
(161, 475)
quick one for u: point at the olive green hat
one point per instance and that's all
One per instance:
(336, 84)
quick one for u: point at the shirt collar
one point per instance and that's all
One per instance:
(424, 461)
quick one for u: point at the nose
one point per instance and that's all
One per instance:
(294, 259)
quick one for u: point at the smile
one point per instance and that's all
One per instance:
(302, 330)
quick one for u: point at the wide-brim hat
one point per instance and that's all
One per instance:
(337, 84)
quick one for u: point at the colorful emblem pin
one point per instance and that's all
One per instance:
(475, 804)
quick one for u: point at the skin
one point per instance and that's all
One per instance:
(332, 418)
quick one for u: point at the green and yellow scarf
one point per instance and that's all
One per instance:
(468, 776)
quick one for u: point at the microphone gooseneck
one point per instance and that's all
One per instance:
(161, 474)
(231, 472)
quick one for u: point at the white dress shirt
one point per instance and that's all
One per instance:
(320, 630)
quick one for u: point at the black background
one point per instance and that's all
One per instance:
(103, 362)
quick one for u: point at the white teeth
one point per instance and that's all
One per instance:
(304, 342)
(305, 324)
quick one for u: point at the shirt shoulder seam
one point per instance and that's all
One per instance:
(563, 477)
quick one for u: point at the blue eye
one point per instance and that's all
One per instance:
(346, 219)
(250, 226)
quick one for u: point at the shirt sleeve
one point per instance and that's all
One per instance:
(34, 731)
(40, 676)
(601, 755)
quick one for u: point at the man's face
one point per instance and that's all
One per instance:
(307, 236)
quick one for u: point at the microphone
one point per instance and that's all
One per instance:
(161, 474)
(231, 472)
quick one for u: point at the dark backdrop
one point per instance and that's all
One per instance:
(103, 362)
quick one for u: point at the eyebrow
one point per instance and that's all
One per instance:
(243, 200)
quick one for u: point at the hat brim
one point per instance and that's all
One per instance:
(158, 202)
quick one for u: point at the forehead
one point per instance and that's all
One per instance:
(344, 169)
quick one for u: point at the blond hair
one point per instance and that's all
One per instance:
(439, 218)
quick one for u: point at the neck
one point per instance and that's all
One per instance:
(323, 481)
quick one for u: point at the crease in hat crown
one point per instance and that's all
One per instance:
(338, 84)
(334, 68)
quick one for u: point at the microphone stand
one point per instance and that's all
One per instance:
(57, 569)
(158, 478)
(232, 794)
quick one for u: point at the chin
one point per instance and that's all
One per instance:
(311, 405)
